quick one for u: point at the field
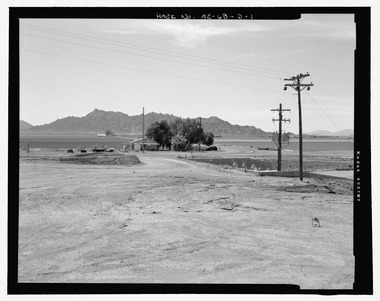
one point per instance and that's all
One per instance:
(171, 219)
(90, 141)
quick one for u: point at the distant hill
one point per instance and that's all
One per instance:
(223, 128)
(346, 132)
(24, 126)
(99, 121)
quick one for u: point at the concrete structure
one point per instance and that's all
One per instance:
(346, 175)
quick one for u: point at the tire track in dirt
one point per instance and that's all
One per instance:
(172, 220)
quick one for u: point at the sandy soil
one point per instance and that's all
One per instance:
(169, 220)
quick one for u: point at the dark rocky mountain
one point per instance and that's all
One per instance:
(99, 121)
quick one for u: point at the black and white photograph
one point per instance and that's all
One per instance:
(191, 147)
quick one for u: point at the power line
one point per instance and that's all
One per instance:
(143, 48)
(150, 49)
(147, 56)
(324, 111)
(68, 96)
(71, 98)
(143, 70)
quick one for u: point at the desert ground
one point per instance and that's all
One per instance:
(173, 220)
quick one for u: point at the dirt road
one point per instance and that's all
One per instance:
(168, 220)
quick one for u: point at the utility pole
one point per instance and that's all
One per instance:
(143, 133)
(200, 128)
(280, 120)
(298, 86)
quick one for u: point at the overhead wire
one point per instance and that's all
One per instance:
(324, 111)
(147, 56)
(73, 99)
(47, 93)
(142, 48)
(150, 49)
(156, 51)
(288, 103)
(61, 94)
(148, 71)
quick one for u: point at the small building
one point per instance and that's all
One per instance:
(149, 144)
(101, 135)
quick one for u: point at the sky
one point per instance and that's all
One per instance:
(232, 69)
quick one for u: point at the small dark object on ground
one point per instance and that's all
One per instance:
(315, 222)
(70, 151)
(212, 148)
(83, 151)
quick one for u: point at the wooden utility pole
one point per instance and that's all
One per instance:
(143, 131)
(280, 120)
(298, 86)
(200, 127)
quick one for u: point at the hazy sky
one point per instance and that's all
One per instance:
(232, 69)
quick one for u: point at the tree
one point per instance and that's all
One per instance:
(179, 143)
(176, 126)
(192, 131)
(160, 132)
(109, 133)
(188, 131)
(208, 138)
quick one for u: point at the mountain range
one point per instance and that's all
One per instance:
(345, 132)
(98, 121)
(24, 126)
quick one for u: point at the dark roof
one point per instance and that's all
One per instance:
(147, 141)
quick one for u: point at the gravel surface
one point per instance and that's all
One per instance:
(169, 220)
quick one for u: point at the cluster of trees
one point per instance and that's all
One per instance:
(183, 133)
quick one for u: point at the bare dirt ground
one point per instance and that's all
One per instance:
(169, 220)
